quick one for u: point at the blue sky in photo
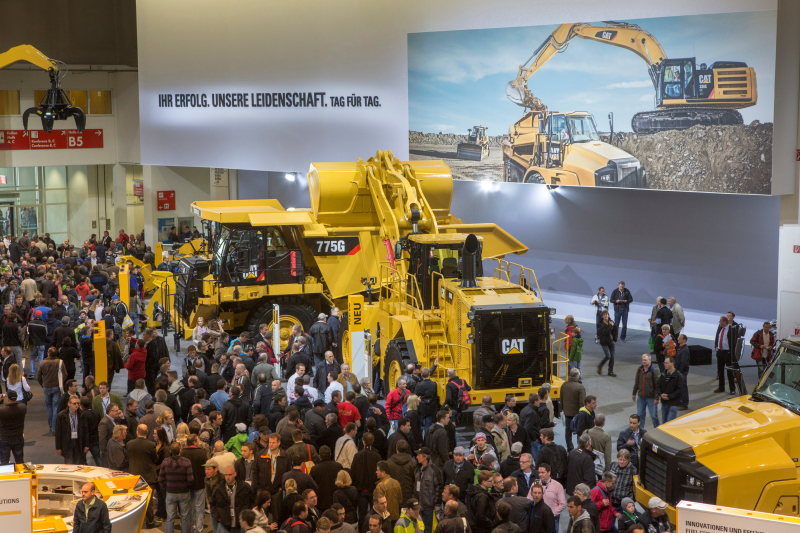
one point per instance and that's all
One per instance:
(457, 79)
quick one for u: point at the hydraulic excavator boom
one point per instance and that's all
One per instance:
(55, 105)
(686, 94)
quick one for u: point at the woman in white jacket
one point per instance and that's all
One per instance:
(199, 330)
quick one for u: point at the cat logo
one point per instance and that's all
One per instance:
(705, 78)
(513, 346)
(655, 448)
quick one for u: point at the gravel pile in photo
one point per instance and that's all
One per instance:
(726, 159)
(417, 137)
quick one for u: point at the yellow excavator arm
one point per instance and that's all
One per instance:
(56, 104)
(628, 36)
(26, 52)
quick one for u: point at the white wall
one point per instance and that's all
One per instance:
(190, 184)
(89, 200)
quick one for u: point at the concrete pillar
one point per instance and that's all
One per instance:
(150, 221)
(120, 196)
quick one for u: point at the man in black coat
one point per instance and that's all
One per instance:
(322, 335)
(364, 475)
(459, 472)
(154, 345)
(328, 365)
(332, 432)
(437, 440)
(529, 417)
(580, 465)
(480, 504)
(269, 466)
(324, 474)
(235, 411)
(12, 426)
(220, 500)
(541, 517)
(142, 459)
(629, 439)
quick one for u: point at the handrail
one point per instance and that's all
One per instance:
(558, 359)
(525, 274)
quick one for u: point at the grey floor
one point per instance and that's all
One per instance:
(613, 394)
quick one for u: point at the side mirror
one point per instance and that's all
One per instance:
(541, 126)
(398, 251)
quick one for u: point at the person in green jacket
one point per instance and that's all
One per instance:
(409, 521)
(234, 444)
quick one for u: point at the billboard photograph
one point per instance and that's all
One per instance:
(673, 103)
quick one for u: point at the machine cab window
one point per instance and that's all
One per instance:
(678, 80)
(431, 261)
(247, 254)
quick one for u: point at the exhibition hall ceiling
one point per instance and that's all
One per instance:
(499, 91)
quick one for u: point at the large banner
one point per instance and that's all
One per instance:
(674, 103)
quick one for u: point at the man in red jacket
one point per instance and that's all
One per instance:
(601, 496)
(395, 401)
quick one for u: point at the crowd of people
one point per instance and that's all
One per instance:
(290, 440)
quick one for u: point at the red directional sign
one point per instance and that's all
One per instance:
(14, 140)
(57, 140)
(166, 200)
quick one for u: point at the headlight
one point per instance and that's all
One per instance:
(471, 315)
(552, 310)
(693, 482)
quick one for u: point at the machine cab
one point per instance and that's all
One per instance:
(436, 257)
(476, 134)
(248, 255)
(677, 81)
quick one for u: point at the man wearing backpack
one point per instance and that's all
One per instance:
(670, 390)
(554, 455)
(297, 522)
(322, 335)
(457, 394)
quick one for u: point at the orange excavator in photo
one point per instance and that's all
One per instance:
(55, 105)
(686, 94)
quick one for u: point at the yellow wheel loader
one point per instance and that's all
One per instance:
(565, 149)
(380, 229)
(477, 146)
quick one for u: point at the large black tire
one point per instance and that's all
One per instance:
(298, 309)
(396, 354)
(534, 177)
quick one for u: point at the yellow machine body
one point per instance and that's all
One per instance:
(564, 149)
(368, 222)
(750, 441)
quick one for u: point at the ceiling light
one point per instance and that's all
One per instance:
(290, 176)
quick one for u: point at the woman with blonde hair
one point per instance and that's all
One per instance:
(16, 381)
(165, 420)
(347, 495)
(412, 414)
(290, 497)
(182, 434)
(199, 330)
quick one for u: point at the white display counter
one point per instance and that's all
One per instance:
(56, 489)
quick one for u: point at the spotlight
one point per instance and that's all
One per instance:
(290, 176)
(552, 188)
(290, 208)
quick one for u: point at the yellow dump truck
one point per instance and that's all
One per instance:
(743, 452)
(383, 229)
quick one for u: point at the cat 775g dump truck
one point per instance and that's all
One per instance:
(382, 226)
(743, 452)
